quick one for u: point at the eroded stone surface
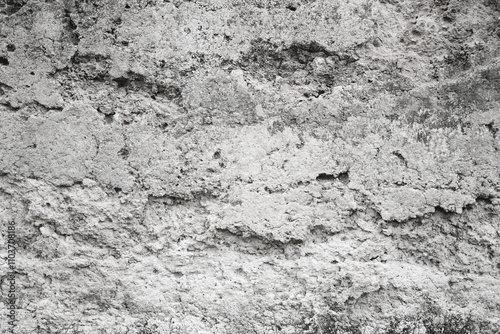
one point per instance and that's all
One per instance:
(252, 166)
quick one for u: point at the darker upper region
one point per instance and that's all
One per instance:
(271, 59)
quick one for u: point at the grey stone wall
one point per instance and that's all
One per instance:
(256, 166)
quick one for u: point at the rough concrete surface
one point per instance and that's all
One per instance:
(257, 166)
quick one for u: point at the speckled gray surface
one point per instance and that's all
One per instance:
(251, 166)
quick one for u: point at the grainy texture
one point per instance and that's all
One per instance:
(256, 166)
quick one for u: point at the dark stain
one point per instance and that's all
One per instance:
(272, 60)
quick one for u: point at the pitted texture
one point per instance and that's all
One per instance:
(253, 166)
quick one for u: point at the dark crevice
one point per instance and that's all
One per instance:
(76, 182)
(484, 199)
(342, 177)
(45, 108)
(400, 157)
(443, 212)
(9, 106)
(325, 177)
(121, 82)
(448, 19)
(493, 129)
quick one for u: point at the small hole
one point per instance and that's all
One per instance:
(127, 6)
(109, 118)
(118, 189)
(217, 154)
(121, 81)
(291, 7)
(32, 73)
(4, 61)
(125, 43)
(11, 47)
(325, 177)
